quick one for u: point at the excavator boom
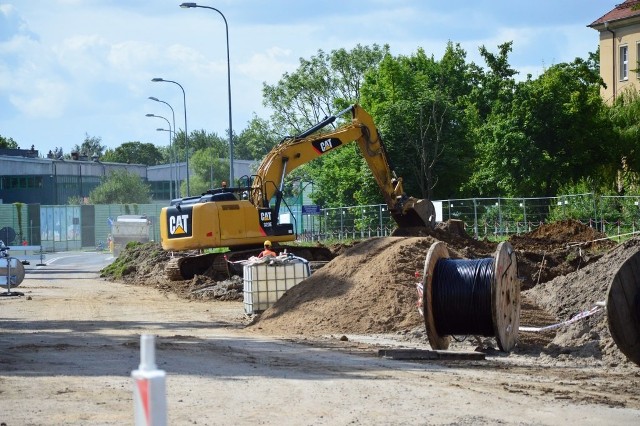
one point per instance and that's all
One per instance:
(296, 151)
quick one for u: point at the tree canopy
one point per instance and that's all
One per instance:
(121, 187)
(91, 146)
(134, 153)
(7, 142)
(542, 134)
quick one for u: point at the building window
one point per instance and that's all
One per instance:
(20, 182)
(624, 63)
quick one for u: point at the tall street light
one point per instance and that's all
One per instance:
(172, 155)
(191, 5)
(170, 169)
(186, 141)
(172, 134)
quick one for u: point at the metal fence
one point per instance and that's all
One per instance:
(617, 216)
(495, 217)
(70, 227)
(61, 228)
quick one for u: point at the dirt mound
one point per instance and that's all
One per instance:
(557, 249)
(566, 296)
(561, 236)
(452, 233)
(143, 264)
(370, 287)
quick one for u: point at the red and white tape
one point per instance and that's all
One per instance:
(584, 314)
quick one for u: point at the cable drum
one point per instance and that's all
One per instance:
(462, 297)
(471, 297)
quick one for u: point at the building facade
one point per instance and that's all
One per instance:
(26, 178)
(619, 49)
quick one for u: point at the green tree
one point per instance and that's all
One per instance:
(199, 140)
(339, 179)
(624, 115)
(7, 142)
(92, 145)
(255, 142)
(319, 87)
(416, 102)
(134, 153)
(121, 187)
(197, 185)
(209, 170)
(542, 133)
(580, 207)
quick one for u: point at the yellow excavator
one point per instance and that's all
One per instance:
(243, 217)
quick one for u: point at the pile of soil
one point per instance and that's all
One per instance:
(569, 295)
(143, 264)
(557, 249)
(369, 287)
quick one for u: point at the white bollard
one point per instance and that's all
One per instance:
(149, 394)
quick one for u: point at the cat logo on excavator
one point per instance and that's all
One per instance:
(179, 225)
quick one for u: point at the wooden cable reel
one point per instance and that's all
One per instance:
(505, 296)
(623, 308)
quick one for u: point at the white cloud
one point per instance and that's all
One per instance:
(48, 99)
(84, 56)
(269, 65)
(131, 56)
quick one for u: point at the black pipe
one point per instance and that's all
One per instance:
(325, 122)
(613, 55)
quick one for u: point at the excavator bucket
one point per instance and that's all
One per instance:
(416, 213)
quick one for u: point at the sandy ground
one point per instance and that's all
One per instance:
(67, 348)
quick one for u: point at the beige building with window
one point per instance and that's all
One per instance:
(619, 48)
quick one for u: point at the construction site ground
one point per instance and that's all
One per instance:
(68, 346)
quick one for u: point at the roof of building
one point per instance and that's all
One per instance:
(622, 11)
(17, 152)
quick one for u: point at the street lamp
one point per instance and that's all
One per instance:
(172, 155)
(170, 169)
(176, 184)
(186, 141)
(191, 5)
(302, 188)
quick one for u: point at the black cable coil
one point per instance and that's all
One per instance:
(461, 291)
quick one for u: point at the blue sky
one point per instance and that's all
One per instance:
(75, 67)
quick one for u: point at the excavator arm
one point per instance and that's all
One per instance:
(242, 218)
(296, 151)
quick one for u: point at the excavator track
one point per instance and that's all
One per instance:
(188, 265)
(172, 269)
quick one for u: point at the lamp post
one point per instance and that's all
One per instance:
(186, 141)
(192, 5)
(170, 169)
(302, 188)
(172, 155)
(176, 175)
